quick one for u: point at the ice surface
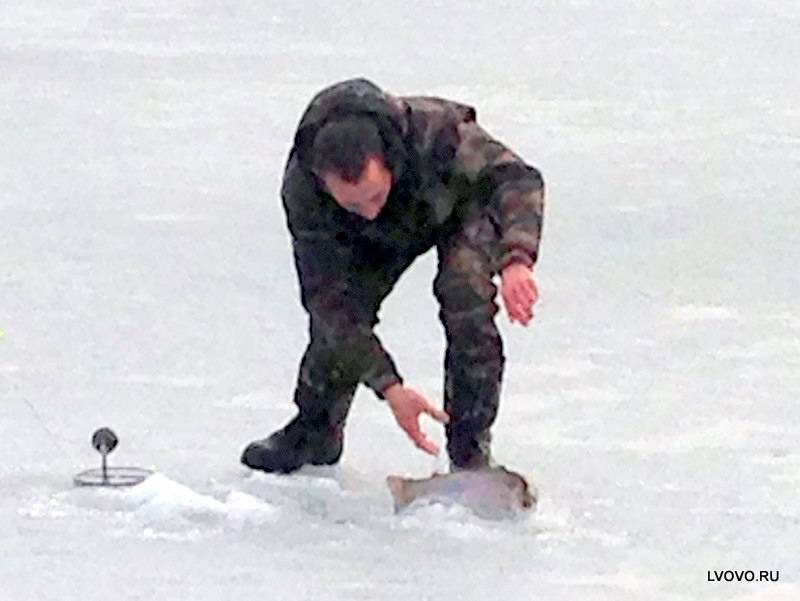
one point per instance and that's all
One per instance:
(146, 283)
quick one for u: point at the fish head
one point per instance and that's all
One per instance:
(524, 497)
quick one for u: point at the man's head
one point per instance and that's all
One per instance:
(348, 156)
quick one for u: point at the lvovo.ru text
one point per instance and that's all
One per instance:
(743, 576)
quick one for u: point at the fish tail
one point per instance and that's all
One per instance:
(400, 492)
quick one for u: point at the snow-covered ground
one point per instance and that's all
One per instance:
(146, 283)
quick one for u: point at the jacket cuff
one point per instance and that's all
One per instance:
(517, 255)
(381, 382)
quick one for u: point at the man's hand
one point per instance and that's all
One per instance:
(407, 405)
(519, 292)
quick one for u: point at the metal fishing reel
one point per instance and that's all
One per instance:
(104, 441)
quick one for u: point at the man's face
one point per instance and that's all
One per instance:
(368, 195)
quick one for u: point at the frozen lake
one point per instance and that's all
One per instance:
(147, 284)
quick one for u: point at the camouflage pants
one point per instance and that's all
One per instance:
(474, 360)
(467, 262)
(325, 385)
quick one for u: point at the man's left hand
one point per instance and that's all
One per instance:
(519, 292)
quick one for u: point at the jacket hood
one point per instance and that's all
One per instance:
(352, 97)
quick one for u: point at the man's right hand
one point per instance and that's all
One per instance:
(407, 405)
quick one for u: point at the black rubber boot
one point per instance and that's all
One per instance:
(469, 452)
(296, 444)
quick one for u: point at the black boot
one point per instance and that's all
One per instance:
(298, 443)
(469, 451)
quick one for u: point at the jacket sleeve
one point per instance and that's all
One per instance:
(338, 305)
(515, 191)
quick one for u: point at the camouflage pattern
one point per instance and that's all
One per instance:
(454, 187)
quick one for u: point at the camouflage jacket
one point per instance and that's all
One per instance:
(444, 165)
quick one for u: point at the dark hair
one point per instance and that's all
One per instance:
(342, 146)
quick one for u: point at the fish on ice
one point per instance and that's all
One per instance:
(488, 492)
